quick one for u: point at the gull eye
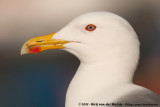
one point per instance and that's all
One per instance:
(90, 27)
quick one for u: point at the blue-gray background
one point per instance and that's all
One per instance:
(41, 80)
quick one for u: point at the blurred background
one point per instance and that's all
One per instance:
(42, 80)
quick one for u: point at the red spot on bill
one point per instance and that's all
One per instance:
(35, 49)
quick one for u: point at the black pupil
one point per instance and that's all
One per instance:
(90, 27)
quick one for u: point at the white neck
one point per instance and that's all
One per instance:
(107, 70)
(90, 79)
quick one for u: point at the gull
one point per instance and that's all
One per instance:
(108, 49)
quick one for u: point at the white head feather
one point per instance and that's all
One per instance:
(113, 38)
(108, 55)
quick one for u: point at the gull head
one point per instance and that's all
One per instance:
(93, 37)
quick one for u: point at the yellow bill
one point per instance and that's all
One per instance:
(42, 43)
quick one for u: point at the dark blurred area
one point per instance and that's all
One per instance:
(42, 80)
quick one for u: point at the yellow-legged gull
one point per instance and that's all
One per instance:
(108, 49)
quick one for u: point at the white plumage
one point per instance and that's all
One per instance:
(108, 49)
(109, 56)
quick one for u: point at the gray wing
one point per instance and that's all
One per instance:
(140, 98)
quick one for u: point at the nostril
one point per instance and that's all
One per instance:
(39, 40)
